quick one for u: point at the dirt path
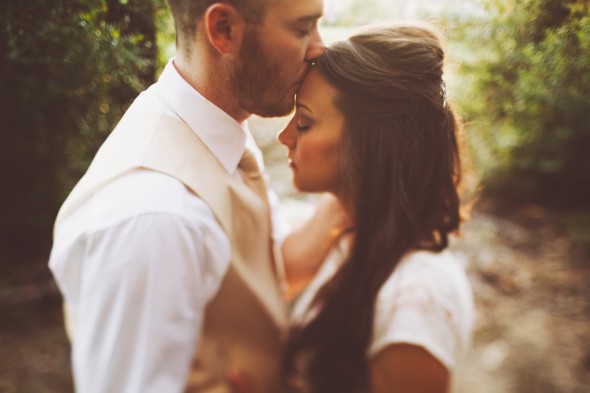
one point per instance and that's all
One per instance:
(533, 309)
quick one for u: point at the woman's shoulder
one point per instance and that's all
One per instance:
(427, 278)
(439, 272)
(427, 301)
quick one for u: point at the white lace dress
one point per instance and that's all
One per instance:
(427, 301)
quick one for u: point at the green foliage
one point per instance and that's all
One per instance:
(529, 100)
(68, 70)
(165, 37)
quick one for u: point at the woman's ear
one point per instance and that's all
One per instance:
(224, 27)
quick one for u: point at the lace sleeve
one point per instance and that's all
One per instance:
(426, 302)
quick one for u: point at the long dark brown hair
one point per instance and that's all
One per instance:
(402, 164)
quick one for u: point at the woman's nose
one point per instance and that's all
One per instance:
(287, 137)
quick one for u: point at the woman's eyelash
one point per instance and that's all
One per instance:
(302, 127)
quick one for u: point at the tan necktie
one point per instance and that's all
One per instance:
(252, 176)
(254, 179)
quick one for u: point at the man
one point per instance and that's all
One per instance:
(163, 249)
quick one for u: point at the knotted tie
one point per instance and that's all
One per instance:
(252, 176)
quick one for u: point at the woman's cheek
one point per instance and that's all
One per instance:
(317, 149)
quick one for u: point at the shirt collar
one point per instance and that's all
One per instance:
(222, 134)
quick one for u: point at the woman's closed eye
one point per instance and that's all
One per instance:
(303, 123)
(302, 127)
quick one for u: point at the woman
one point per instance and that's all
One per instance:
(388, 310)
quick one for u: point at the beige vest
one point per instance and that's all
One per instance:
(244, 322)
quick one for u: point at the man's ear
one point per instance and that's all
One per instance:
(224, 27)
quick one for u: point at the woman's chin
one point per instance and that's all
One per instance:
(298, 185)
(304, 187)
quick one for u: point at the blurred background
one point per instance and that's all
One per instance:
(518, 72)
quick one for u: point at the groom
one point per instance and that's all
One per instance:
(163, 251)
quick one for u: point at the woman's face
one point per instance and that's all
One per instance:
(313, 137)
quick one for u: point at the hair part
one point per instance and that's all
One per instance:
(402, 164)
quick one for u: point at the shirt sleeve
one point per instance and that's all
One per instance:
(428, 306)
(144, 287)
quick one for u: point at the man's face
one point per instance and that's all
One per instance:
(275, 57)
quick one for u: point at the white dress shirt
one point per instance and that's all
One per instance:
(138, 261)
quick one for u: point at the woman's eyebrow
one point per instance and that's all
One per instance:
(302, 105)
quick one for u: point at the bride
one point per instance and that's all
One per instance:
(389, 309)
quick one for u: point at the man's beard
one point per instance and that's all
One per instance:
(256, 81)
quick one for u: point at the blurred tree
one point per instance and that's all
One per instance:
(68, 70)
(529, 101)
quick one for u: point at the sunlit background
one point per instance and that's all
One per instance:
(518, 72)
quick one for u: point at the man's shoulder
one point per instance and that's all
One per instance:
(143, 192)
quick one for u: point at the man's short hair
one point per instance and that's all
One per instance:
(187, 12)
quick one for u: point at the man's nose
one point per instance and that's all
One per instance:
(316, 46)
